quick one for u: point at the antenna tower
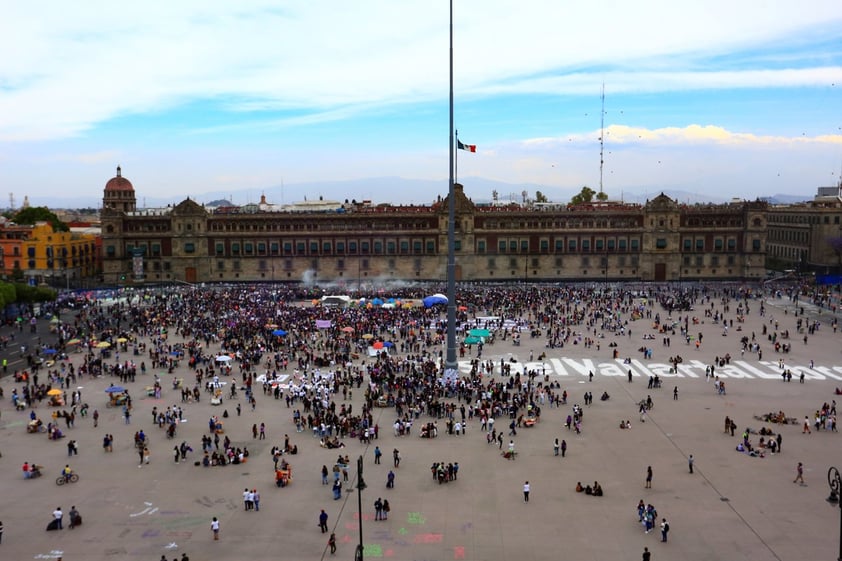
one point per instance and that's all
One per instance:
(602, 137)
(11, 201)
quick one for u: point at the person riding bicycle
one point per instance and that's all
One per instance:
(67, 472)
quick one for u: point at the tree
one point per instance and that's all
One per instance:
(602, 196)
(33, 214)
(540, 197)
(584, 196)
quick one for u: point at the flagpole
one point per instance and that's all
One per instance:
(456, 159)
(451, 368)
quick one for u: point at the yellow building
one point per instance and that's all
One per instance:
(58, 258)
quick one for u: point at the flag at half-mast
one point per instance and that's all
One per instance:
(468, 147)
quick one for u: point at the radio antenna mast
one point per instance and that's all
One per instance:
(602, 137)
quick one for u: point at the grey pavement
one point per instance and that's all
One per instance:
(734, 507)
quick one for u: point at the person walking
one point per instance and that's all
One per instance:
(96, 418)
(255, 500)
(563, 447)
(690, 462)
(526, 489)
(323, 521)
(396, 455)
(1, 531)
(649, 477)
(799, 474)
(556, 447)
(779, 439)
(377, 454)
(332, 543)
(58, 515)
(665, 528)
(378, 509)
(215, 528)
(647, 556)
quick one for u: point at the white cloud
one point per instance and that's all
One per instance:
(71, 67)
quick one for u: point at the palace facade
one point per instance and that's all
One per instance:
(355, 242)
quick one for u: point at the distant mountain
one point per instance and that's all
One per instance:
(396, 190)
(786, 199)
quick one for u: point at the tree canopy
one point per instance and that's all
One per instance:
(32, 215)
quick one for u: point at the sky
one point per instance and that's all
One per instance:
(729, 99)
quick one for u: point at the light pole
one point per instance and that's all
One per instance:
(358, 556)
(835, 482)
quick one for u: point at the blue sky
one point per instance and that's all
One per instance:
(192, 98)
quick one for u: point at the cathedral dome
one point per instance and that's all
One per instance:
(119, 183)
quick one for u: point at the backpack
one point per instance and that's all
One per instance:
(666, 527)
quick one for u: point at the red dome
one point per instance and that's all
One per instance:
(119, 183)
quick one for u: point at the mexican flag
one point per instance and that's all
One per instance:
(468, 147)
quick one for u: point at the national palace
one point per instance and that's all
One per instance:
(351, 243)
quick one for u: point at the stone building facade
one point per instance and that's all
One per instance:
(354, 243)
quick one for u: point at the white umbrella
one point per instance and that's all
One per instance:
(223, 358)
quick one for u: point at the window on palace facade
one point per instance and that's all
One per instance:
(732, 244)
(700, 244)
(501, 246)
(524, 246)
(287, 248)
(571, 246)
(248, 248)
(404, 245)
(586, 261)
(314, 264)
(512, 263)
(431, 246)
(326, 248)
(481, 246)
(31, 263)
(235, 248)
(235, 264)
(559, 262)
(622, 243)
(718, 244)
(364, 264)
(261, 248)
(352, 248)
(261, 265)
(220, 265)
(300, 248)
(600, 245)
(621, 261)
(110, 250)
(417, 246)
(586, 245)
(365, 248)
(512, 246)
(700, 260)
(635, 244)
(391, 264)
(340, 248)
(390, 248)
(559, 245)
(314, 248)
(340, 264)
(545, 245)
(661, 243)
(688, 244)
(755, 245)
(457, 245)
(611, 244)
(167, 265)
(535, 262)
(731, 260)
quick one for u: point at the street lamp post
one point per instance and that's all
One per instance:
(360, 486)
(835, 482)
